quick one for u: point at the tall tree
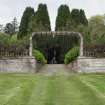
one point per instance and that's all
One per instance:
(75, 16)
(83, 19)
(9, 29)
(15, 24)
(42, 18)
(25, 21)
(62, 17)
(1, 28)
(97, 28)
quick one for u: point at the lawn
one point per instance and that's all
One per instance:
(30, 89)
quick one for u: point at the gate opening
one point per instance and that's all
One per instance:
(54, 45)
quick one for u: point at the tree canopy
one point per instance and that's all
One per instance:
(70, 21)
(78, 17)
(24, 25)
(9, 29)
(42, 19)
(62, 17)
(97, 28)
(83, 19)
(34, 21)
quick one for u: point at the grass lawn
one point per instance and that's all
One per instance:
(30, 89)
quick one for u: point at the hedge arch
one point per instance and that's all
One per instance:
(55, 34)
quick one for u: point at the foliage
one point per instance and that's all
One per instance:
(62, 17)
(74, 21)
(6, 40)
(62, 43)
(1, 27)
(71, 55)
(85, 31)
(39, 56)
(15, 25)
(9, 29)
(94, 32)
(25, 21)
(83, 19)
(67, 21)
(78, 17)
(75, 16)
(41, 20)
(97, 29)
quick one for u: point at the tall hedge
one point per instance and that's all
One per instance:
(62, 17)
(24, 24)
(42, 18)
(78, 17)
(83, 19)
(75, 16)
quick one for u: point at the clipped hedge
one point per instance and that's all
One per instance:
(39, 56)
(71, 55)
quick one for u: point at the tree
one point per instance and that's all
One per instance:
(1, 28)
(42, 19)
(83, 19)
(75, 16)
(15, 25)
(25, 21)
(9, 29)
(62, 17)
(97, 28)
(78, 17)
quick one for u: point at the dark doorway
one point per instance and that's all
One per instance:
(53, 54)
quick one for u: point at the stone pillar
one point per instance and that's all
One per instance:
(81, 54)
(31, 46)
(81, 45)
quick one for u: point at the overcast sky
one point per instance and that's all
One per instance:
(15, 8)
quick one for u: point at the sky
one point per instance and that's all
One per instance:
(15, 8)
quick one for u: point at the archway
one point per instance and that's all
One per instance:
(51, 46)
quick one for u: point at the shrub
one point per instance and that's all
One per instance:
(71, 55)
(39, 56)
(4, 39)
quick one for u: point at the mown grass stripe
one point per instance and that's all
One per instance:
(22, 97)
(6, 97)
(39, 91)
(51, 90)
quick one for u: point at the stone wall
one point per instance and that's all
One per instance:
(91, 65)
(29, 65)
(19, 65)
(73, 66)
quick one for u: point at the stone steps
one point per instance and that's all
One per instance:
(55, 69)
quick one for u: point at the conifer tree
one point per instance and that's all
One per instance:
(15, 25)
(83, 19)
(75, 16)
(62, 18)
(42, 18)
(25, 21)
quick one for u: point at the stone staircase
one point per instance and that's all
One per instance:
(50, 69)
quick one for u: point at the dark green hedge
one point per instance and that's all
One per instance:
(71, 55)
(39, 56)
